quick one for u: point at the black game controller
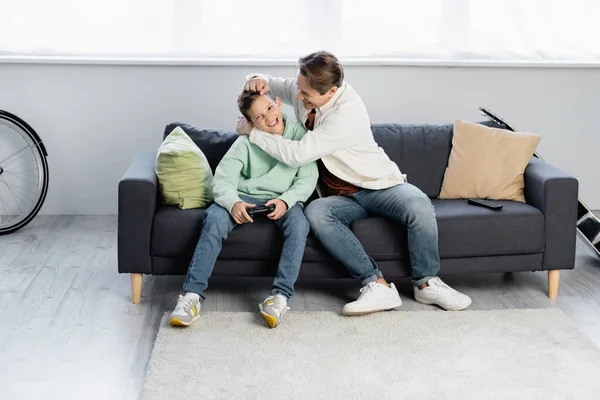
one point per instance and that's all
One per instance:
(253, 211)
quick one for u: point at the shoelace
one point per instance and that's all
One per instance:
(438, 285)
(369, 287)
(279, 304)
(184, 303)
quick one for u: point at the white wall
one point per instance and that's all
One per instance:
(94, 118)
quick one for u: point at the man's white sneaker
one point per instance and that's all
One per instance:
(442, 295)
(374, 297)
(187, 310)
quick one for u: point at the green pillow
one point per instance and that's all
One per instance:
(184, 175)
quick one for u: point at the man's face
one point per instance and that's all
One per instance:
(310, 97)
(265, 114)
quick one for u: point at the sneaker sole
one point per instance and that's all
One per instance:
(269, 319)
(177, 322)
(387, 308)
(449, 308)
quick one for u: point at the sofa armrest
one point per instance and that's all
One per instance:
(554, 193)
(138, 192)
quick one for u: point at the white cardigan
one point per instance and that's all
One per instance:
(341, 138)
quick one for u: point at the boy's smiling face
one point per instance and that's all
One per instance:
(265, 114)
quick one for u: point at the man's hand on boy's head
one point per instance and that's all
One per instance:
(280, 208)
(239, 213)
(243, 126)
(257, 85)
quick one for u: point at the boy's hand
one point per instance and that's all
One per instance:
(243, 127)
(257, 85)
(239, 214)
(280, 208)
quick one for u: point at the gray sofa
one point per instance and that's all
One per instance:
(537, 236)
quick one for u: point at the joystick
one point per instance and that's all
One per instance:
(260, 210)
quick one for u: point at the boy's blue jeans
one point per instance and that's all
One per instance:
(216, 227)
(330, 218)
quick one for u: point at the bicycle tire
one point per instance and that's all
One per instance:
(42, 153)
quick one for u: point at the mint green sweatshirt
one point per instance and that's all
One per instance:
(246, 169)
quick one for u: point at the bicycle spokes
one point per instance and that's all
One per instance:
(23, 173)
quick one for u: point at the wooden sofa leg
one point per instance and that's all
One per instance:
(136, 288)
(553, 279)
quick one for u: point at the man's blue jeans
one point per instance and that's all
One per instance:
(330, 218)
(216, 227)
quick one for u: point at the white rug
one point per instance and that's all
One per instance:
(509, 354)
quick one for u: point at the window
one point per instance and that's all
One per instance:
(508, 30)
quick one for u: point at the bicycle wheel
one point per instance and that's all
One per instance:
(23, 173)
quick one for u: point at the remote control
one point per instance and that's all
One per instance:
(485, 203)
(253, 211)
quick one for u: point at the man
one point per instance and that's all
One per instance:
(356, 178)
(247, 177)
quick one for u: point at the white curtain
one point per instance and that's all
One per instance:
(498, 30)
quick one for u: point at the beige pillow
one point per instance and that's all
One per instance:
(487, 163)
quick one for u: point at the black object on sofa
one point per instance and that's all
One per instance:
(537, 236)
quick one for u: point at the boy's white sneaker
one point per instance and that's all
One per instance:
(273, 308)
(442, 295)
(374, 297)
(187, 310)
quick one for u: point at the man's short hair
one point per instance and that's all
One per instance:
(323, 71)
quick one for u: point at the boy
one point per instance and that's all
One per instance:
(249, 177)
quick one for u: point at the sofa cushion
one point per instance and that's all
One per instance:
(175, 233)
(421, 152)
(464, 231)
(214, 143)
(184, 176)
(487, 163)
(467, 231)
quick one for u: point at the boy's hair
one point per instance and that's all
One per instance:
(323, 71)
(245, 101)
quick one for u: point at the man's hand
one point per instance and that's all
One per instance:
(243, 127)
(239, 214)
(257, 85)
(280, 208)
